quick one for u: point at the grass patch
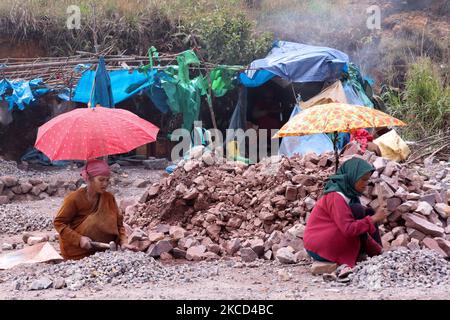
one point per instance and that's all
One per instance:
(425, 102)
(221, 27)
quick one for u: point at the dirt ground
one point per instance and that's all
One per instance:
(230, 279)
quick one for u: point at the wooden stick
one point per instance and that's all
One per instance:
(210, 104)
(428, 152)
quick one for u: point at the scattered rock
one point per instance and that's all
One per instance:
(319, 268)
(233, 246)
(4, 200)
(424, 208)
(195, 253)
(137, 235)
(212, 247)
(285, 255)
(443, 210)
(297, 230)
(422, 225)
(141, 183)
(9, 181)
(161, 246)
(41, 284)
(187, 242)
(35, 239)
(444, 245)
(7, 246)
(248, 255)
(179, 253)
(165, 256)
(432, 244)
(413, 245)
(291, 193)
(177, 232)
(59, 283)
(257, 245)
(268, 255)
(163, 228)
(402, 240)
(155, 236)
(284, 275)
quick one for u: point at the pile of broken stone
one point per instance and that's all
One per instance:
(206, 209)
(13, 188)
(110, 267)
(18, 185)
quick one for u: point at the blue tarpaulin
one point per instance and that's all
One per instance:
(20, 93)
(356, 97)
(156, 91)
(120, 82)
(317, 143)
(259, 78)
(101, 92)
(32, 155)
(297, 62)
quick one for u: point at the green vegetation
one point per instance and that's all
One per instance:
(235, 32)
(221, 28)
(425, 102)
(228, 38)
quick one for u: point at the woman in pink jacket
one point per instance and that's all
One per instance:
(339, 227)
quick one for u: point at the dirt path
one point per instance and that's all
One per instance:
(263, 282)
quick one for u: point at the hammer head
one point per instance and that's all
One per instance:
(108, 246)
(113, 246)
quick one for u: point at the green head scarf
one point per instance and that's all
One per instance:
(345, 178)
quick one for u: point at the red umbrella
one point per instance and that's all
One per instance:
(89, 133)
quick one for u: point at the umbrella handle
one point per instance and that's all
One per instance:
(336, 153)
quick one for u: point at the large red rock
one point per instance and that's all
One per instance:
(26, 187)
(9, 181)
(432, 244)
(177, 232)
(291, 193)
(304, 180)
(161, 246)
(443, 210)
(155, 236)
(195, 253)
(402, 240)
(424, 208)
(233, 246)
(4, 200)
(444, 245)
(248, 255)
(422, 225)
(392, 204)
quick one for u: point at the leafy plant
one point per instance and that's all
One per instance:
(229, 38)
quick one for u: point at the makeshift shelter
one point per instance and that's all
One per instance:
(302, 76)
(169, 87)
(333, 93)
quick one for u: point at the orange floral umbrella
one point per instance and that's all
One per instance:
(336, 117)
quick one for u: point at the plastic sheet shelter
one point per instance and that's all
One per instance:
(297, 63)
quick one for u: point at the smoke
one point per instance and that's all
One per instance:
(347, 26)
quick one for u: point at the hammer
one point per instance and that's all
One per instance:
(100, 245)
(381, 199)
